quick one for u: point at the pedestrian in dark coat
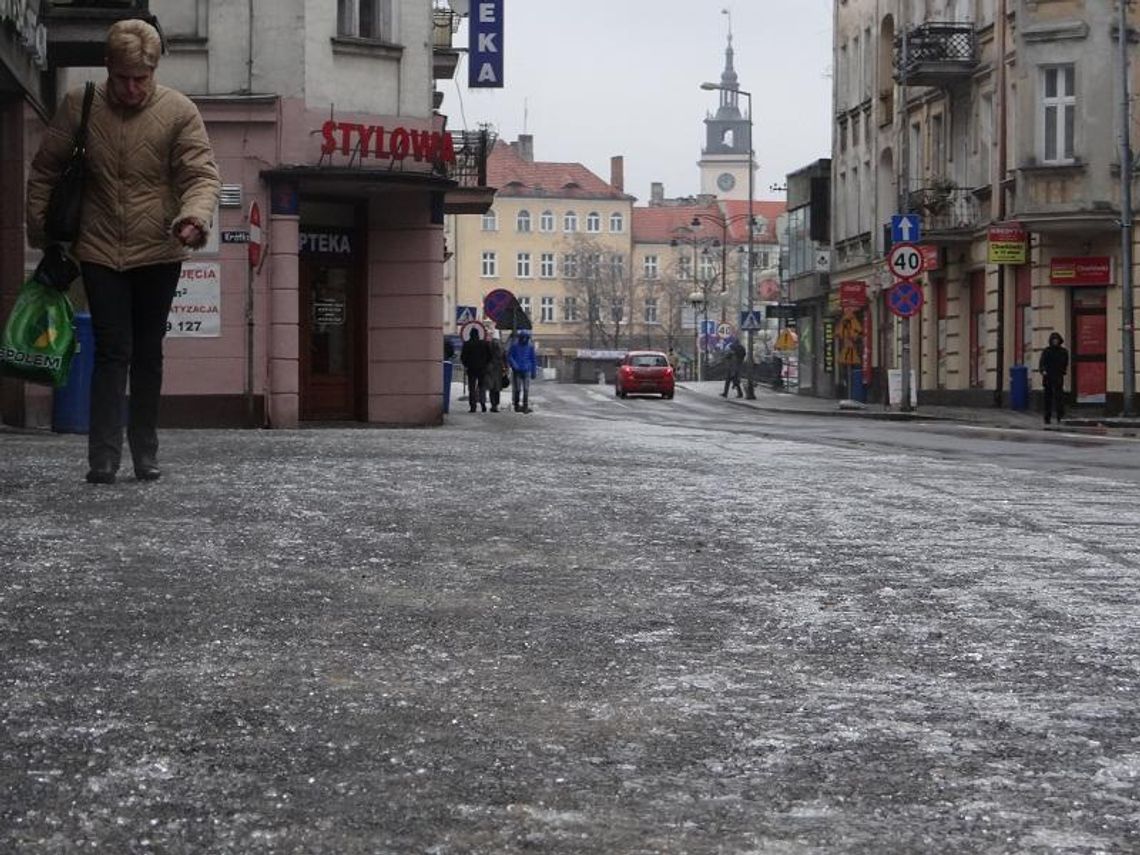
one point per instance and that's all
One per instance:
(1053, 366)
(474, 355)
(735, 363)
(493, 376)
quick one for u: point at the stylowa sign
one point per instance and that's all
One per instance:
(383, 144)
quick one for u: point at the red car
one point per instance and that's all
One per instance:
(644, 372)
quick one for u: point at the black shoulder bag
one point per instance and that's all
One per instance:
(66, 202)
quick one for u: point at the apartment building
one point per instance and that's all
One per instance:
(990, 113)
(323, 117)
(558, 237)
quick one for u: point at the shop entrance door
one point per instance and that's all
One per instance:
(329, 335)
(1090, 345)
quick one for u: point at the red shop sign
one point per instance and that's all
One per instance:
(1081, 270)
(852, 295)
(929, 256)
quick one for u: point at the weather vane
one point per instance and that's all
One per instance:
(727, 11)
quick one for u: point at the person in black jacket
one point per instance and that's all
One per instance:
(475, 355)
(1053, 366)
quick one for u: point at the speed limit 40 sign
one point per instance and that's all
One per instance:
(905, 261)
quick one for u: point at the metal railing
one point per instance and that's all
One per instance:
(472, 149)
(944, 208)
(936, 47)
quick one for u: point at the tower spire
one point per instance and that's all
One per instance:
(729, 106)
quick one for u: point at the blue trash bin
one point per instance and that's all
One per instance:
(448, 367)
(1019, 387)
(858, 390)
(71, 404)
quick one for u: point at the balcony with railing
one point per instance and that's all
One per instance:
(472, 196)
(445, 56)
(949, 213)
(938, 53)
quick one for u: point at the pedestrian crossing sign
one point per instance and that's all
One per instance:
(751, 320)
(464, 315)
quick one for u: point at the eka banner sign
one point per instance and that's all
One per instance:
(485, 45)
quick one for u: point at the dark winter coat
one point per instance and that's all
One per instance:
(496, 368)
(1054, 362)
(475, 354)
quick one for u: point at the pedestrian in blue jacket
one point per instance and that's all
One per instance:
(524, 368)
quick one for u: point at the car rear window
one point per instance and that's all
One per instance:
(649, 360)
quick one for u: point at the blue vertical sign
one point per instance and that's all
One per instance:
(485, 45)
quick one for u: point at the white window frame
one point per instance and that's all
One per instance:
(546, 265)
(546, 309)
(522, 265)
(546, 221)
(1061, 102)
(570, 222)
(651, 310)
(570, 265)
(524, 304)
(570, 310)
(490, 221)
(593, 222)
(617, 266)
(650, 268)
(522, 221)
(490, 264)
(353, 16)
(617, 222)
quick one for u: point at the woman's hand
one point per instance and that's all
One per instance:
(190, 235)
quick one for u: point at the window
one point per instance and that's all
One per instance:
(546, 265)
(490, 222)
(684, 268)
(617, 266)
(1058, 113)
(617, 222)
(617, 310)
(651, 310)
(490, 264)
(593, 222)
(522, 265)
(569, 222)
(365, 19)
(522, 221)
(524, 304)
(546, 221)
(547, 308)
(842, 131)
(570, 265)
(570, 309)
(705, 269)
(650, 268)
(593, 265)
(854, 131)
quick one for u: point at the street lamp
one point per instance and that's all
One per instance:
(713, 87)
(698, 299)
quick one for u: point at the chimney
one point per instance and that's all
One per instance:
(656, 193)
(617, 173)
(525, 147)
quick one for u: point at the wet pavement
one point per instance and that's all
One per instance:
(571, 631)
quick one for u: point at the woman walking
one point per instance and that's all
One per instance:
(150, 194)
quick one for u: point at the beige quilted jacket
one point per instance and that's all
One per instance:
(150, 169)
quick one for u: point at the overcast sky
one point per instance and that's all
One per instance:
(595, 78)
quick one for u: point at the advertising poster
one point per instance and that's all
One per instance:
(197, 308)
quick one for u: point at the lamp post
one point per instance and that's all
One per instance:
(698, 299)
(712, 87)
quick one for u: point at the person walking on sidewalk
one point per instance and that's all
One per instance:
(475, 355)
(1054, 364)
(524, 368)
(735, 364)
(151, 188)
(495, 374)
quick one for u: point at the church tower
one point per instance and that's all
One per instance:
(727, 154)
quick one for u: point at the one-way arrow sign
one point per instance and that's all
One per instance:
(906, 228)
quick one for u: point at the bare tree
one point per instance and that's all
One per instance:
(600, 280)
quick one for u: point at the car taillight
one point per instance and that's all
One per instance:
(669, 371)
(626, 370)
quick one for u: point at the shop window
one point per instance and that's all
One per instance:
(617, 223)
(546, 221)
(569, 222)
(522, 221)
(547, 308)
(593, 222)
(365, 19)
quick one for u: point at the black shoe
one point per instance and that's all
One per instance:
(484, 408)
(472, 409)
(100, 475)
(494, 409)
(148, 471)
(724, 394)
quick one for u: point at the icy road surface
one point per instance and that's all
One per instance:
(605, 627)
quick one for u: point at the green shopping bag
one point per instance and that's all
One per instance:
(39, 337)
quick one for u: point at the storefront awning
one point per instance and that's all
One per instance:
(358, 183)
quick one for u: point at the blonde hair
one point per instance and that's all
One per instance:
(133, 44)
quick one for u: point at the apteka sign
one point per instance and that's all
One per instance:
(485, 47)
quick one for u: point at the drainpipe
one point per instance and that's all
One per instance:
(1000, 32)
(1128, 328)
